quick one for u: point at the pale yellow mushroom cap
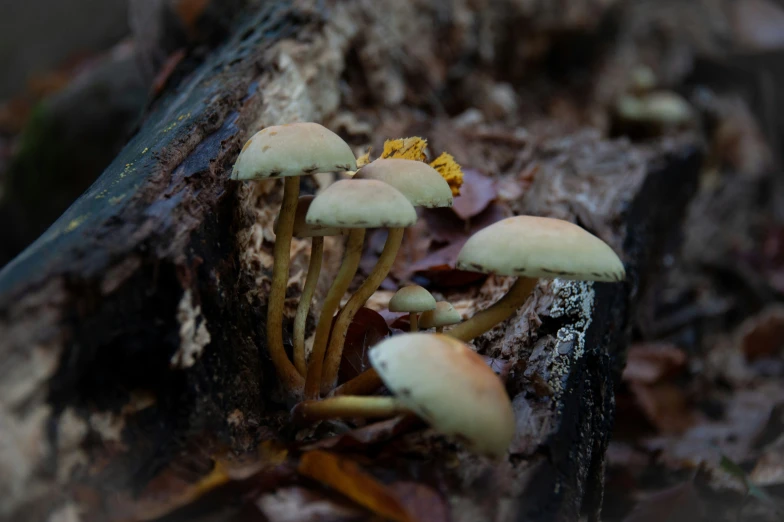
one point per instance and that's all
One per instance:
(443, 315)
(443, 381)
(412, 298)
(361, 203)
(295, 149)
(302, 229)
(418, 181)
(540, 247)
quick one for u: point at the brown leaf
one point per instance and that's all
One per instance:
(763, 334)
(477, 193)
(665, 405)
(345, 476)
(366, 330)
(438, 267)
(367, 436)
(652, 362)
(422, 502)
(676, 504)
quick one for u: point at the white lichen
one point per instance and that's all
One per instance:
(573, 300)
(194, 335)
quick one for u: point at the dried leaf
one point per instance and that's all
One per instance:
(679, 503)
(665, 405)
(763, 334)
(405, 148)
(367, 329)
(438, 268)
(367, 436)
(477, 193)
(422, 502)
(347, 477)
(449, 169)
(652, 362)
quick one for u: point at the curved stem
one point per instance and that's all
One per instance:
(331, 303)
(363, 293)
(288, 374)
(363, 384)
(314, 269)
(497, 313)
(413, 321)
(347, 406)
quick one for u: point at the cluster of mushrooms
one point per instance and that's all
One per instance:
(435, 376)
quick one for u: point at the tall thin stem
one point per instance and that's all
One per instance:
(331, 303)
(288, 374)
(314, 269)
(347, 407)
(364, 383)
(497, 313)
(413, 321)
(363, 293)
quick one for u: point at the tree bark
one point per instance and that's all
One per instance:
(134, 324)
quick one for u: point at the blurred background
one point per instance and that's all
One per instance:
(703, 380)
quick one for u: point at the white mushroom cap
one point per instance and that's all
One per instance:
(295, 149)
(443, 315)
(540, 247)
(418, 181)
(302, 229)
(443, 381)
(412, 298)
(361, 203)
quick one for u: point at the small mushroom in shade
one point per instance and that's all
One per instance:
(353, 204)
(531, 248)
(412, 299)
(317, 234)
(443, 315)
(441, 380)
(288, 151)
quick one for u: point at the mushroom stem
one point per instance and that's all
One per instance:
(497, 313)
(363, 384)
(314, 269)
(288, 374)
(439, 329)
(413, 320)
(331, 303)
(355, 302)
(347, 406)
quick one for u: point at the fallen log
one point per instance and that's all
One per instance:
(134, 325)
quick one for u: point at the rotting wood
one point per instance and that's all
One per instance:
(153, 259)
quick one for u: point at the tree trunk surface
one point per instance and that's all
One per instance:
(133, 328)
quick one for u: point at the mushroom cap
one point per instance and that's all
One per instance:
(412, 298)
(294, 149)
(361, 203)
(540, 247)
(302, 229)
(443, 315)
(443, 381)
(418, 181)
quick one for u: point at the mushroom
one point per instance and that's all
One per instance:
(412, 299)
(531, 248)
(288, 151)
(444, 314)
(356, 204)
(441, 380)
(423, 186)
(317, 234)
